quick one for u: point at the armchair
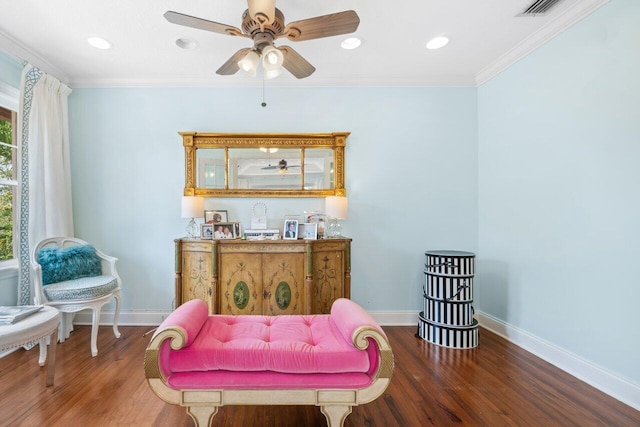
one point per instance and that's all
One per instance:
(71, 276)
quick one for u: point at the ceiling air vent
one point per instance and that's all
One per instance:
(539, 7)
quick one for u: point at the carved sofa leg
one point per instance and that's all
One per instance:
(202, 415)
(336, 414)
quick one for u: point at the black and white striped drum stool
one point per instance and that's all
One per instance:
(447, 318)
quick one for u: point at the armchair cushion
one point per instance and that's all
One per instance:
(83, 288)
(59, 265)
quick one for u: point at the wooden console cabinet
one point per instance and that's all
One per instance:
(267, 277)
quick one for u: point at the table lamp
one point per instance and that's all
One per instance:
(335, 207)
(192, 207)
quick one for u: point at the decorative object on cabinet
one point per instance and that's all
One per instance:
(263, 277)
(259, 216)
(192, 207)
(290, 229)
(206, 231)
(250, 170)
(447, 318)
(308, 231)
(317, 218)
(269, 233)
(225, 230)
(215, 216)
(336, 209)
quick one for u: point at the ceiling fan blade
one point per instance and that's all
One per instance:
(231, 66)
(296, 64)
(202, 24)
(263, 11)
(323, 26)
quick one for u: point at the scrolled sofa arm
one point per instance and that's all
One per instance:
(181, 328)
(358, 327)
(349, 317)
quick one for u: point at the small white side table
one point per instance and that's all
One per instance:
(36, 327)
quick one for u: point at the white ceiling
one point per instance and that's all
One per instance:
(486, 37)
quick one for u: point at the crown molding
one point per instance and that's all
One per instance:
(222, 82)
(20, 51)
(562, 22)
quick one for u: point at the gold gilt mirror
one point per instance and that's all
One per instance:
(264, 164)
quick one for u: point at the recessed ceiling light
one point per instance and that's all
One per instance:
(188, 44)
(437, 42)
(99, 43)
(351, 43)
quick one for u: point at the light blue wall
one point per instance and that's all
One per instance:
(559, 217)
(10, 70)
(410, 175)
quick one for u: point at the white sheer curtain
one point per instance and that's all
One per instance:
(45, 190)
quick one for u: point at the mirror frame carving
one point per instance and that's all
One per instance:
(192, 141)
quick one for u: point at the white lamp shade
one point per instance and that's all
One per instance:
(249, 64)
(272, 74)
(335, 207)
(272, 58)
(192, 207)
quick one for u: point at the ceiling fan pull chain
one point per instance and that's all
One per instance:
(264, 104)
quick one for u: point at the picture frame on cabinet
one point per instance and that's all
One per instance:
(317, 218)
(206, 231)
(215, 216)
(308, 231)
(290, 229)
(224, 230)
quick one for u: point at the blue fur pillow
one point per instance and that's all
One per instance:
(71, 263)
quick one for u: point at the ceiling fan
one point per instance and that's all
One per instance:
(264, 23)
(282, 165)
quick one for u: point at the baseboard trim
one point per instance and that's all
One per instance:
(154, 318)
(605, 381)
(594, 375)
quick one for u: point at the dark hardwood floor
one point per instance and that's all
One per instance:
(495, 384)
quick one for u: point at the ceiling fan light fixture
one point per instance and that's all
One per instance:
(249, 64)
(437, 42)
(272, 58)
(351, 43)
(272, 74)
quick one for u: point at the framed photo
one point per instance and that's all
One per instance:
(308, 231)
(237, 230)
(290, 229)
(214, 217)
(317, 218)
(224, 230)
(206, 231)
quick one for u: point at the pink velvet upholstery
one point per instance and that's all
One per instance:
(269, 352)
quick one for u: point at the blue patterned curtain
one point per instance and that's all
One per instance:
(44, 191)
(30, 76)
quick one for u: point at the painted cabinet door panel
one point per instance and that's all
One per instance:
(328, 280)
(196, 274)
(240, 283)
(283, 283)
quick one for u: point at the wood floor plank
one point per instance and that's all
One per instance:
(495, 384)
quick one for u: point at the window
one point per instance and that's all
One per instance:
(8, 182)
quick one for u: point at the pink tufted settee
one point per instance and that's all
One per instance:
(334, 361)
